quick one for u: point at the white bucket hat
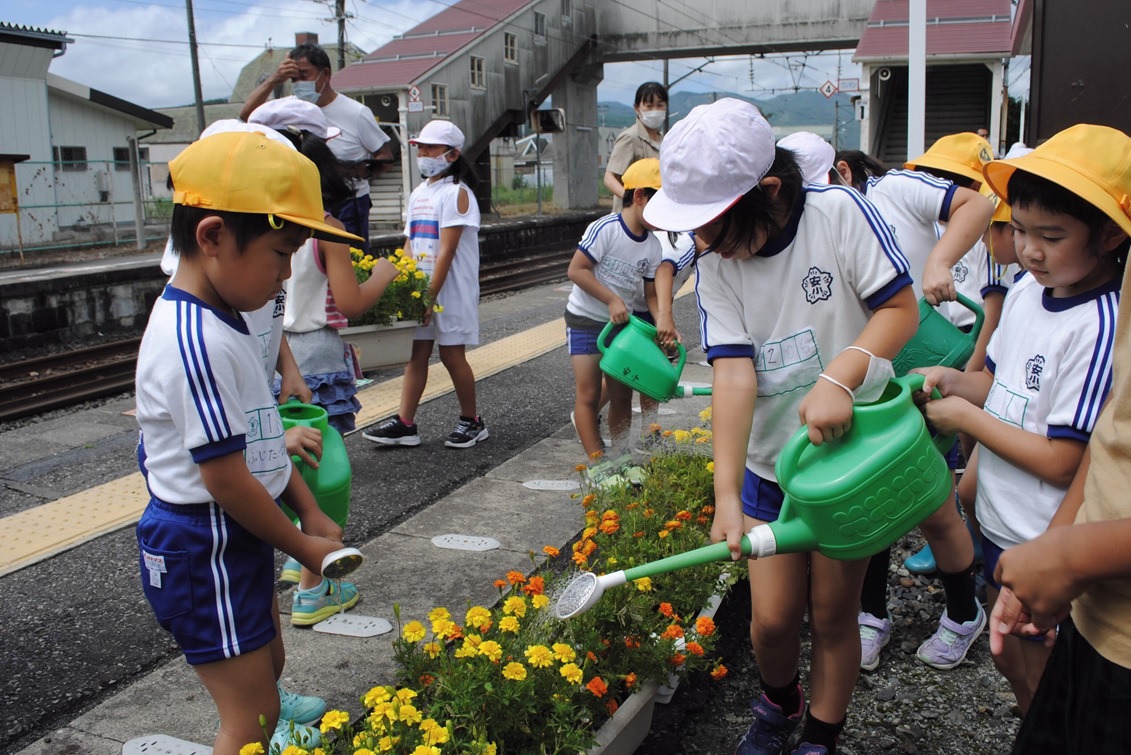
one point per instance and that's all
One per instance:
(295, 113)
(814, 155)
(708, 161)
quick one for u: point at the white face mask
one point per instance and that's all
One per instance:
(307, 90)
(876, 379)
(432, 166)
(653, 119)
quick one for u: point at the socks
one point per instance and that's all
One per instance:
(874, 594)
(818, 732)
(961, 604)
(788, 698)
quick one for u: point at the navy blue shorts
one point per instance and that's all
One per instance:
(991, 552)
(582, 341)
(761, 498)
(209, 581)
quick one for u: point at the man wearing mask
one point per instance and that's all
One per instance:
(307, 66)
(641, 139)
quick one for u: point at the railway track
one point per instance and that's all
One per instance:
(38, 385)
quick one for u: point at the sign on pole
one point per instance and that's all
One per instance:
(414, 103)
(828, 89)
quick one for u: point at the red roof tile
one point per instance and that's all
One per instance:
(954, 27)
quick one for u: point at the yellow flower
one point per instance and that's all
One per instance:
(711, 467)
(409, 714)
(433, 649)
(540, 601)
(509, 624)
(376, 695)
(434, 734)
(437, 614)
(489, 749)
(255, 748)
(466, 650)
(539, 656)
(644, 584)
(294, 750)
(478, 617)
(563, 652)
(419, 275)
(415, 294)
(362, 751)
(705, 415)
(571, 673)
(681, 436)
(414, 631)
(333, 721)
(437, 308)
(404, 694)
(381, 711)
(514, 671)
(492, 650)
(386, 744)
(443, 628)
(515, 605)
(426, 750)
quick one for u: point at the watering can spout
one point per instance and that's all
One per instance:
(783, 536)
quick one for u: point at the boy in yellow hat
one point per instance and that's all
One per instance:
(1035, 406)
(211, 446)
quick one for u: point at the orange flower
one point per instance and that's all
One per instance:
(609, 526)
(587, 501)
(590, 655)
(551, 551)
(536, 586)
(662, 534)
(673, 632)
(655, 428)
(581, 468)
(703, 519)
(516, 577)
(673, 524)
(666, 609)
(456, 632)
(638, 534)
(500, 583)
(677, 659)
(630, 680)
(705, 626)
(580, 559)
(695, 648)
(708, 509)
(427, 679)
(631, 643)
(648, 512)
(633, 505)
(718, 672)
(597, 686)
(611, 706)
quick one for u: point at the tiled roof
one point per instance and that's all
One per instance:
(954, 27)
(409, 56)
(35, 37)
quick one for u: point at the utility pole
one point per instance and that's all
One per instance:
(195, 70)
(340, 17)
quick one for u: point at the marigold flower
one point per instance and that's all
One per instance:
(711, 467)
(514, 671)
(673, 632)
(386, 744)
(414, 631)
(404, 694)
(611, 706)
(551, 551)
(580, 559)
(631, 643)
(708, 509)
(608, 527)
(535, 586)
(425, 750)
(571, 673)
(662, 534)
(591, 656)
(703, 440)
(666, 610)
(581, 467)
(255, 748)
(683, 516)
(673, 524)
(415, 294)
(509, 624)
(718, 672)
(540, 601)
(382, 711)
(409, 714)
(644, 584)
(681, 436)
(439, 613)
(563, 652)
(630, 680)
(587, 501)
(294, 750)
(500, 583)
(597, 686)
(677, 659)
(705, 626)
(478, 617)
(705, 415)
(516, 577)
(443, 628)
(437, 308)
(491, 650)
(433, 649)
(333, 720)
(695, 648)
(539, 656)
(434, 734)
(638, 534)
(426, 680)
(648, 511)
(516, 605)
(587, 535)
(466, 650)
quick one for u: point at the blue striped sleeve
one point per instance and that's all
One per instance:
(1097, 384)
(198, 372)
(882, 230)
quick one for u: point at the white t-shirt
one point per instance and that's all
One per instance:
(912, 202)
(201, 395)
(622, 261)
(360, 137)
(797, 304)
(1051, 360)
(680, 256)
(975, 276)
(432, 207)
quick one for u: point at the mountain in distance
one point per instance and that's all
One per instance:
(804, 108)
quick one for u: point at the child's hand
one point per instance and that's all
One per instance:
(938, 283)
(427, 318)
(317, 524)
(940, 378)
(305, 443)
(729, 526)
(827, 410)
(618, 312)
(1038, 575)
(1008, 617)
(666, 334)
(950, 415)
(293, 386)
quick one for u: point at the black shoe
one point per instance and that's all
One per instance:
(393, 432)
(467, 433)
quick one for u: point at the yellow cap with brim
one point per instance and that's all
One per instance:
(1093, 162)
(962, 154)
(1002, 213)
(250, 173)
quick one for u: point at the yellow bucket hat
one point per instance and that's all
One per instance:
(642, 174)
(964, 154)
(1002, 213)
(1093, 162)
(250, 173)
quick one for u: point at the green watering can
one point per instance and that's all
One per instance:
(634, 358)
(847, 499)
(938, 342)
(331, 482)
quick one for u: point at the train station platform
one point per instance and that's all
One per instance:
(88, 668)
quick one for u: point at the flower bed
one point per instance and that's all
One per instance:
(512, 678)
(406, 298)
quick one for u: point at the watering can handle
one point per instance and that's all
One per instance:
(603, 337)
(914, 382)
(979, 316)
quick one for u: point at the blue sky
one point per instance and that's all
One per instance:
(137, 49)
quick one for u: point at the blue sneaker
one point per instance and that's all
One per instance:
(292, 572)
(807, 749)
(289, 733)
(321, 602)
(922, 562)
(302, 709)
(770, 730)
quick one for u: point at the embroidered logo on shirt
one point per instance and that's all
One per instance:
(1033, 369)
(642, 266)
(817, 285)
(960, 271)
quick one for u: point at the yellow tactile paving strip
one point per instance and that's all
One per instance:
(44, 531)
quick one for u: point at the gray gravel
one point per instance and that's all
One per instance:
(903, 706)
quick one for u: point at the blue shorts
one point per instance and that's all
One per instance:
(761, 498)
(209, 581)
(991, 552)
(646, 317)
(582, 341)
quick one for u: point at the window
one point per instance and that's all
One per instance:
(71, 158)
(440, 101)
(510, 47)
(567, 9)
(122, 157)
(539, 26)
(478, 75)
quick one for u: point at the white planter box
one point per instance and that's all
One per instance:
(629, 726)
(381, 345)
